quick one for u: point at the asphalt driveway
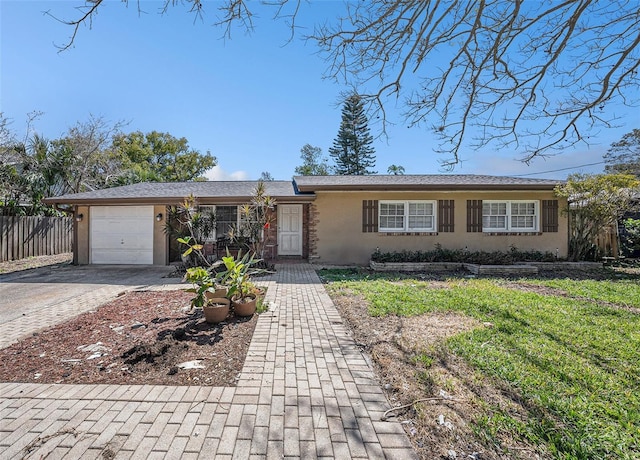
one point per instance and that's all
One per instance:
(49, 295)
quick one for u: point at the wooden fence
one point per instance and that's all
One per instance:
(607, 241)
(22, 237)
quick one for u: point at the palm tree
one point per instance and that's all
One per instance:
(396, 170)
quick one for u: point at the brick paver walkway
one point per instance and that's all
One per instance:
(305, 391)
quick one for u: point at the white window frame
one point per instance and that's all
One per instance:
(405, 216)
(509, 227)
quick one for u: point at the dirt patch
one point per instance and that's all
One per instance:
(34, 262)
(139, 338)
(413, 365)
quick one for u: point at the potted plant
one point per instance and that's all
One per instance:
(236, 277)
(215, 309)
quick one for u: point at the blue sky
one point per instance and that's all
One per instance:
(252, 101)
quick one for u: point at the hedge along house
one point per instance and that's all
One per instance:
(126, 225)
(352, 216)
(331, 219)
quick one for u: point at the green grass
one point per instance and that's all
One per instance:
(575, 363)
(623, 292)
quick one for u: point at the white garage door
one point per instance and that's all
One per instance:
(121, 234)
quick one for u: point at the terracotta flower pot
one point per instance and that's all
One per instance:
(216, 310)
(245, 307)
(217, 294)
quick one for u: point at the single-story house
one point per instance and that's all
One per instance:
(331, 219)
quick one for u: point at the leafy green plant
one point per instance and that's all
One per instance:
(237, 274)
(631, 237)
(202, 282)
(262, 305)
(191, 228)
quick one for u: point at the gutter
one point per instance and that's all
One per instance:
(169, 201)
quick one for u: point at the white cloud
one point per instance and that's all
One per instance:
(552, 167)
(219, 174)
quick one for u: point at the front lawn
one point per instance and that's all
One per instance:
(569, 350)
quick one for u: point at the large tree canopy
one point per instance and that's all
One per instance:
(313, 163)
(595, 202)
(91, 155)
(159, 157)
(533, 76)
(36, 167)
(624, 155)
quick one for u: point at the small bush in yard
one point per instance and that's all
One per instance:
(631, 237)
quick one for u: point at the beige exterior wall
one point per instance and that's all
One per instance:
(82, 236)
(160, 239)
(340, 239)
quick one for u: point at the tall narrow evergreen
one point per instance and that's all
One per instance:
(352, 150)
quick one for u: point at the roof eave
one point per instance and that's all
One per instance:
(170, 200)
(422, 187)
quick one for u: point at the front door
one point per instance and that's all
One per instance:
(290, 229)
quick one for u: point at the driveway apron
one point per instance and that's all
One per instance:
(40, 298)
(305, 391)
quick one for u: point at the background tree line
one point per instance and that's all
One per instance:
(91, 155)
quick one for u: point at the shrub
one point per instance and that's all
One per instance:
(463, 256)
(630, 237)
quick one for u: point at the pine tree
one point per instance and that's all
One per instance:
(352, 150)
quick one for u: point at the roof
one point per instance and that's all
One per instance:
(301, 189)
(422, 182)
(175, 192)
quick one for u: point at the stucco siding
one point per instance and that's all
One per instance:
(340, 239)
(160, 238)
(81, 257)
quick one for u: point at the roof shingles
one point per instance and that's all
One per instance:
(423, 181)
(165, 192)
(301, 189)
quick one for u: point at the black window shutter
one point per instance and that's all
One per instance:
(445, 216)
(369, 216)
(549, 215)
(474, 215)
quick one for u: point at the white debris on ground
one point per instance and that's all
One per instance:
(195, 364)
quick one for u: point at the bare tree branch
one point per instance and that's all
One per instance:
(532, 77)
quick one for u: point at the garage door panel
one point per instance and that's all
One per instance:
(117, 242)
(110, 256)
(126, 227)
(120, 212)
(122, 234)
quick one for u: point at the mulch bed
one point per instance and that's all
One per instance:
(139, 338)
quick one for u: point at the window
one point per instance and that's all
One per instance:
(392, 216)
(494, 216)
(204, 229)
(506, 216)
(407, 216)
(226, 218)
